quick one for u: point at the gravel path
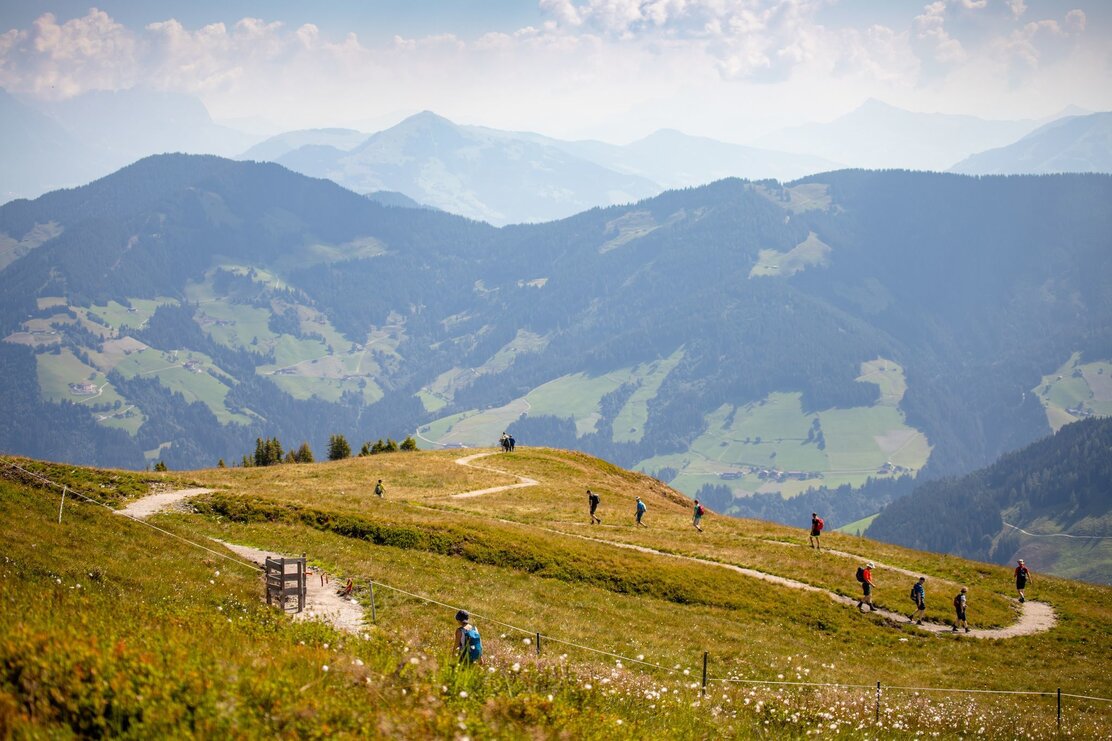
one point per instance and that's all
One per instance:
(143, 508)
(322, 601)
(523, 481)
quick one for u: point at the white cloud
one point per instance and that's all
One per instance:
(712, 66)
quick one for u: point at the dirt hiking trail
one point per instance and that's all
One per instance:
(1034, 617)
(322, 601)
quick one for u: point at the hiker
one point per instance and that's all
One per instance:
(504, 441)
(468, 642)
(698, 518)
(593, 500)
(1022, 575)
(865, 576)
(512, 443)
(919, 597)
(348, 588)
(816, 529)
(380, 490)
(959, 609)
(640, 512)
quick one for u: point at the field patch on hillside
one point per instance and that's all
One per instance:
(1075, 391)
(771, 445)
(811, 252)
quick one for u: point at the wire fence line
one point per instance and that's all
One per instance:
(551, 639)
(737, 680)
(70, 490)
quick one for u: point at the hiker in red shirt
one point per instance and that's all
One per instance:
(1022, 575)
(865, 576)
(816, 529)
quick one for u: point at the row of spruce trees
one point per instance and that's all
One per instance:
(269, 451)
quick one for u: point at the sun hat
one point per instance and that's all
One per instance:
(463, 616)
(1020, 561)
(870, 565)
(965, 589)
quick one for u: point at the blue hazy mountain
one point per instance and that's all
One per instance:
(281, 144)
(1071, 144)
(480, 173)
(878, 135)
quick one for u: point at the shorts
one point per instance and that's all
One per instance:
(814, 533)
(594, 506)
(920, 605)
(961, 614)
(1020, 583)
(640, 515)
(867, 589)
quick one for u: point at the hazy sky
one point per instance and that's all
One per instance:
(611, 69)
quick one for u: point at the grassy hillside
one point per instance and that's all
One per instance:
(95, 644)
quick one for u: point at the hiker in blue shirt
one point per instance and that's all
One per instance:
(919, 597)
(697, 519)
(468, 643)
(640, 512)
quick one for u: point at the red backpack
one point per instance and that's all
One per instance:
(819, 524)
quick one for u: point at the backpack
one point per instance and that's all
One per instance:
(861, 574)
(957, 602)
(819, 524)
(473, 644)
(699, 510)
(913, 597)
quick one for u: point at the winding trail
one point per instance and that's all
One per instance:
(143, 508)
(1034, 617)
(322, 598)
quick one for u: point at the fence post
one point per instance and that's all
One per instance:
(63, 504)
(705, 655)
(878, 701)
(538, 643)
(1059, 709)
(374, 612)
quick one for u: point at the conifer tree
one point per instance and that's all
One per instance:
(338, 448)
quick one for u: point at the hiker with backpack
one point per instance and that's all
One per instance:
(959, 610)
(468, 643)
(592, 501)
(698, 518)
(865, 576)
(380, 490)
(919, 597)
(1022, 574)
(816, 529)
(640, 512)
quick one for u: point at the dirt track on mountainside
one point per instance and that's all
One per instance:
(1033, 617)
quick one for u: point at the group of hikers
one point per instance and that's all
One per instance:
(507, 443)
(470, 647)
(639, 511)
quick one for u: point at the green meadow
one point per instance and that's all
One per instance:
(94, 645)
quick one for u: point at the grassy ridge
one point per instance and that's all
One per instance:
(120, 655)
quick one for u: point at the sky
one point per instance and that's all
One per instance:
(609, 69)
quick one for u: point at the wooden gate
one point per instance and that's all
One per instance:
(285, 582)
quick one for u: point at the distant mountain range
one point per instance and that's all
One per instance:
(1047, 503)
(878, 135)
(761, 337)
(1071, 144)
(63, 144)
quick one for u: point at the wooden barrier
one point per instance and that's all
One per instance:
(285, 578)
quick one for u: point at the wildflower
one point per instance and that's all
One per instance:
(587, 686)
(217, 573)
(686, 672)
(414, 660)
(463, 694)
(516, 667)
(528, 641)
(640, 657)
(550, 698)
(359, 662)
(326, 645)
(619, 721)
(324, 668)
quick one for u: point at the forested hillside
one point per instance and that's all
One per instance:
(761, 337)
(1056, 487)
